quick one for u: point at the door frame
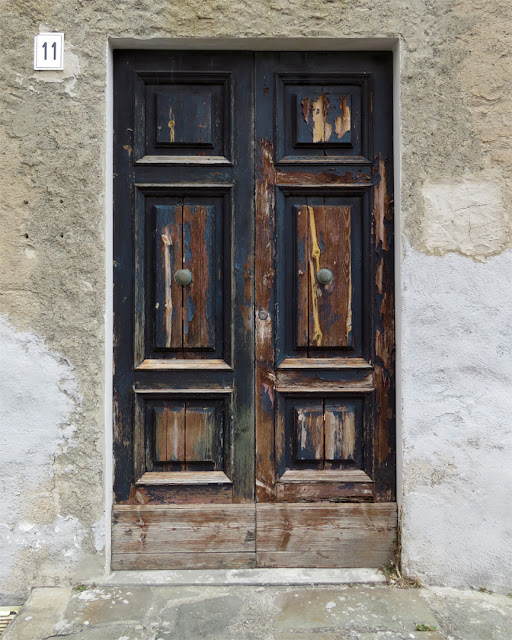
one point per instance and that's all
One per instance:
(240, 44)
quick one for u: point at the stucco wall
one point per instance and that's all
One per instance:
(454, 276)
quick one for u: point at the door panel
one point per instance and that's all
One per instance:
(324, 310)
(177, 322)
(253, 310)
(183, 352)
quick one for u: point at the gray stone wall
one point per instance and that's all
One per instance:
(455, 268)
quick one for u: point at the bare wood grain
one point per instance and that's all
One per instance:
(184, 478)
(309, 476)
(183, 529)
(309, 431)
(161, 365)
(336, 532)
(375, 552)
(324, 492)
(169, 434)
(325, 363)
(201, 431)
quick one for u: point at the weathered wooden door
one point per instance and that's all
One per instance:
(253, 310)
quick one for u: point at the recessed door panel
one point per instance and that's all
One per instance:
(323, 116)
(182, 276)
(182, 117)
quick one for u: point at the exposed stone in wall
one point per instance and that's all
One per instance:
(456, 192)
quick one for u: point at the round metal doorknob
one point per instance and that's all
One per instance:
(183, 277)
(324, 276)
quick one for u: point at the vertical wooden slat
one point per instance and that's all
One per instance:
(330, 318)
(265, 296)
(384, 434)
(302, 277)
(169, 425)
(198, 255)
(309, 431)
(169, 295)
(201, 434)
(340, 432)
(141, 461)
(342, 253)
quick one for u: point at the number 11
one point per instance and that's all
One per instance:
(54, 47)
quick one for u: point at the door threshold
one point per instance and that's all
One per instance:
(223, 577)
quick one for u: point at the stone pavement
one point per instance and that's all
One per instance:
(242, 612)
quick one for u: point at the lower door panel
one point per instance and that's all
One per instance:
(150, 537)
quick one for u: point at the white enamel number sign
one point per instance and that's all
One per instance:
(48, 51)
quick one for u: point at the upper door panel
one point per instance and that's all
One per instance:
(323, 117)
(183, 117)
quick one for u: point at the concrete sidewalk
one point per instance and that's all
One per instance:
(242, 612)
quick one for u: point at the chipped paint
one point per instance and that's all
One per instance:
(314, 255)
(380, 206)
(171, 124)
(322, 130)
(342, 123)
(168, 306)
(305, 110)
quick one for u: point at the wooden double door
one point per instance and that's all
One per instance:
(253, 310)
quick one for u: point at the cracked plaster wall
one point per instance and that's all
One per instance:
(455, 224)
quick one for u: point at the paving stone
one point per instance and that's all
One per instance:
(310, 636)
(391, 635)
(261, 613)
(116, 632)
(470, 615)
(38, 617)
(103, 605)
(355, 635)
(203, 618)
(359, 608)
